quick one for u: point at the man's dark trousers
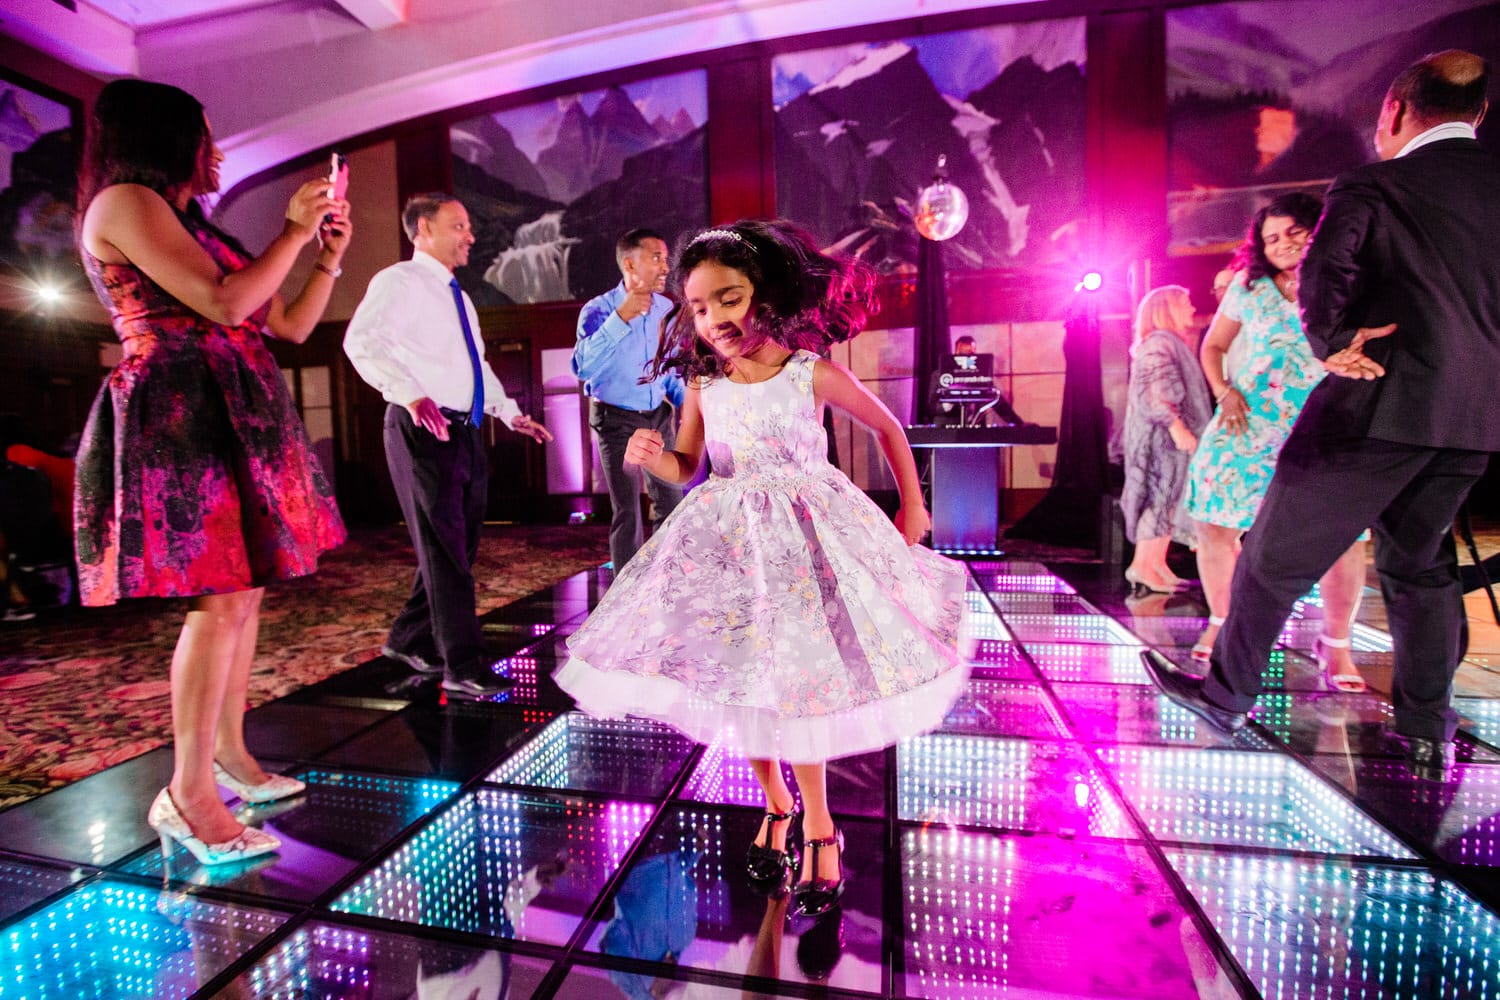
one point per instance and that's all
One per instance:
(613, 426)
(443, 489)
(1326, 490)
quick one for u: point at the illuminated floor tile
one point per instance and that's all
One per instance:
(1352, 725)
(1164, 630)
(1105, 664)
(856, 784)
(1480, 718)
(1130, 713)
(23, 884)
(1004, 708)
(1006, 917)
(1023, 583)
(1011, 603)
(586, 983)
(547, 651)
(1008, 568)
(1457, 819)
(453, 740)
(996, 658)
(111, 940)
(983, 624)
(1005, 784)
(1243, 798)
(1285, 670)
(323, 961)
(341, 820)
(1308, 927)
(1091, 629)
(631, 757)
(1299, 633)
(503, 864)
(686, 894)
(532, 669)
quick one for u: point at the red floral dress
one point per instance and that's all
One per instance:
(195, 474)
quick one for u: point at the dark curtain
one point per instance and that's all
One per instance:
(932, 325)
(1070, 512)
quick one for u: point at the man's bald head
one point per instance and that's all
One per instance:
(1443, 87)
(1446, 86)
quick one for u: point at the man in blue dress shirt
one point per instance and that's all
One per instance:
(618, 334)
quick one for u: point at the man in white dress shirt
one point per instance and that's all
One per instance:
(415, 338)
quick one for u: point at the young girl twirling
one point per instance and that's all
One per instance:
(777, 610)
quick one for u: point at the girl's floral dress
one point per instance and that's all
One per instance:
(777, 608)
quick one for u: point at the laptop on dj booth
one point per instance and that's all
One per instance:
(967, 377)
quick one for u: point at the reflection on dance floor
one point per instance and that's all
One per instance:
(1066, 832)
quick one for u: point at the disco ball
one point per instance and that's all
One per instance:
(941, 211)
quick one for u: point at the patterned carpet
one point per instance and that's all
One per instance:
(83, 690)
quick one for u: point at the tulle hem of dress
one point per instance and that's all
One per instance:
(761, 733)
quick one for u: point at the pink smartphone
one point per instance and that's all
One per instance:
(338, 178)
(338, 174)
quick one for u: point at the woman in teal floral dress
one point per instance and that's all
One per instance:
(1236, 455)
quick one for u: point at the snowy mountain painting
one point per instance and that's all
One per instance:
(1279, 95)
(859, 130)
(551, 186)
(37, 181)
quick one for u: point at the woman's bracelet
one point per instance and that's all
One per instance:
(1219, 396)
(332, 272)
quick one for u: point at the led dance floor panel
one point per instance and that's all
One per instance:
(503, 864)
(1066, 832)
(110, 940)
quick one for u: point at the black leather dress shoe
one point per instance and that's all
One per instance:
(418, 664)
(1187, 691)
(1429, 760)
(477, 685)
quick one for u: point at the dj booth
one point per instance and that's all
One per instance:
(965, 470)
(966, 480)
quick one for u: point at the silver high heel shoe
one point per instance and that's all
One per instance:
(277, 786)
(168, 822)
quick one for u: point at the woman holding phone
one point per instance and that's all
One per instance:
(195, 477)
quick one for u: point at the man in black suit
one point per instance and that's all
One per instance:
(1400, 296)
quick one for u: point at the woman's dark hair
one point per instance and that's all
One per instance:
(1303, 209)
(802, 298)
(144, 133)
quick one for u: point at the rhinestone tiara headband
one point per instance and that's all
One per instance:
(721, 234)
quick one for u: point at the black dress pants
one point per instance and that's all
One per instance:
(443, 489)
(1327, 490)
(613, 428)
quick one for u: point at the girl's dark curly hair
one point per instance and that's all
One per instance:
(1303, 209)
(802, 298)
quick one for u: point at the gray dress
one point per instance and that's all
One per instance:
(1165, 380)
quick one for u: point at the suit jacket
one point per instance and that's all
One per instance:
(1413, 241)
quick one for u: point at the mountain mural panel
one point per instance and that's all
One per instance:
(1268, 97)
(859, 130)
(38, 171)
(551, 186)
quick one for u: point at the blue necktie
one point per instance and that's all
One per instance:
(476, 409)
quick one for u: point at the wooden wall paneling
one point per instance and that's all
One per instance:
(423, 163)
(741, 152)
(1126, 157)
(50, 374)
